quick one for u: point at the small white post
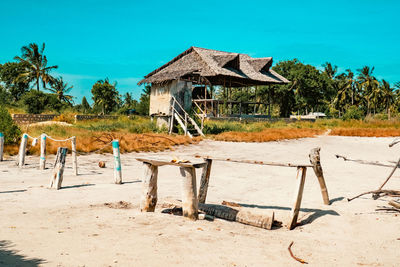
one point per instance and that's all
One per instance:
(117, 162)
(42, 164)
(22, 150)
(1, 146)
(74, 155)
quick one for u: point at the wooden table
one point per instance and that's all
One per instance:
(190, 199)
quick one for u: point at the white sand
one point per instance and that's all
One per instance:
(72, 227)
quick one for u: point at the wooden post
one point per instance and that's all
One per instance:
(1, 146)
(74, 155)
(316, 162)
(149, 188)
(186, 124)
(22, 148)
(189, 196)
(117, 162)
(57, 177)
(205, 177)
(298, 196)
(42, 162)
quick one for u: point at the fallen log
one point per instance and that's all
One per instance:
(377, 194)
(394, 204)
(241, 215)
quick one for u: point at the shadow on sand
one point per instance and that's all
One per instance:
(10, 257)
(315, 213)
(76, 186)
(13, 191)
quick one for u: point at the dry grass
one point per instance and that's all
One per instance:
(268, 135)
(366, 132)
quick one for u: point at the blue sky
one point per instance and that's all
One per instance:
(125, 40)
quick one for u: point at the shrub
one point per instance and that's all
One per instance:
(353, 113)
(8, 127)
(36, 102)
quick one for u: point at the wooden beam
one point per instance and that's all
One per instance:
(159, 162)
(297, 197)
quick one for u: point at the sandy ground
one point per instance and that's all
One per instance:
(73, 227)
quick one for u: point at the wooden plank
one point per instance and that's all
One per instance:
(42, 161)
(315, 160)
(298, 196)
(205, 177)
(189, 193)
(149, 188)
(159, 162)
(257, 162)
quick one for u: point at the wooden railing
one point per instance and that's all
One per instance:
(183, 120)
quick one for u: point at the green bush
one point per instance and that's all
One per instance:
(36, 102)
(353, 113)
(8, 127)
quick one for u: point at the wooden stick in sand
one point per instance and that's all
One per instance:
(315, 160)
(57, 177)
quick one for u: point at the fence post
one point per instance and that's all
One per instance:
(22, 150)
(42, 163)
(57, 177)
(1, 146)
(117, 162)
(74, 155)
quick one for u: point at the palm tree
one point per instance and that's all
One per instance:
(59, 88)
(387, 96)
(368, 84)
(36, 63)
(330, 70)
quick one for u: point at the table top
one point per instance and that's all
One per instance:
(162, 162)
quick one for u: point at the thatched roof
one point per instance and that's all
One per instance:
(206, 66)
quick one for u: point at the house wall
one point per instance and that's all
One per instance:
(161, 96)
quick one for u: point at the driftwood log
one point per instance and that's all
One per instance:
(315, 160)
(238, 214)
(377, 193)
(57, 177)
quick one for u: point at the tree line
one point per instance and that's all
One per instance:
(27, 83)
(348, 94)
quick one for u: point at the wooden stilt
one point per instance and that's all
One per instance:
(57, 177)
(205, 177)
(74, 155)
(298, 196)
(22, 150)
(315, 160)
(42, 162)
(117, 162)
(149, 189)
(1, 146)
(189, 196)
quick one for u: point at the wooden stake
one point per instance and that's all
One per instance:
(205, 177)
(57, 177)
(315, 160)
(298, 196)
(149, 188)
(74, 155)
(117, 162)
(42, 162)
(22, 150)
(189, 196)
(1, 146)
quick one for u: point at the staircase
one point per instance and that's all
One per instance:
(188, 124)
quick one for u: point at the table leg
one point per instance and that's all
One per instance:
(149, 188)
(189, 193)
